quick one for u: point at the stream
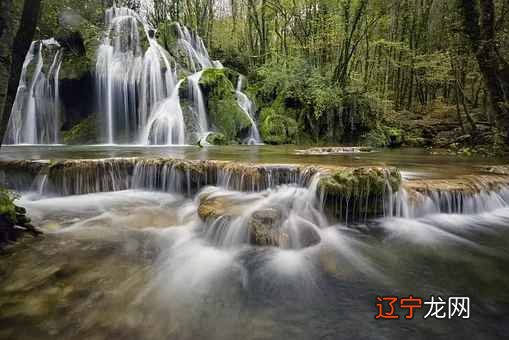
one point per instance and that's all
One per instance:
(136, 264)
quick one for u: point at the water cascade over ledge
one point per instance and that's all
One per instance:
(247, 107)
(35, 115)
(136, 88)
(131, 85)
(350, 195)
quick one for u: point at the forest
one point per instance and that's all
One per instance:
(254, 169)
(430, 73)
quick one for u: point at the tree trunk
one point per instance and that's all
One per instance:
(480, 30)
(6, 28)
(20, 46)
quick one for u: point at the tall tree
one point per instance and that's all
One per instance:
(479, 26)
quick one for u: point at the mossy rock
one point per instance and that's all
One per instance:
(216, 138)
(7, 206)
(223, 110)
(357, 193)
(80, 41)
(276, 128)
(383, 136)
(85, 132)
(167, 34)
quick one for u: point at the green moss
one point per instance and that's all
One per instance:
(167, 34)
(358, 192)
(277, 129)
(361, 182)
(223, 110)
(82, 133)
(216, 138)
(7, 206)
(383, 136)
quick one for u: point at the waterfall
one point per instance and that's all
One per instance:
(132, 87)
(248, 108)
(35, 114)
(166, 123)
(198, 102)
(409, 203)
(195, 48)
(199, 60)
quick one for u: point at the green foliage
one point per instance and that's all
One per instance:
(362, 182)
(222, 107)
(7, 206)
(167, 34)
(278, 129)
(217, 138)
(82, 133)
(323, 111)
(383, 136)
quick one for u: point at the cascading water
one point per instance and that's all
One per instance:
(247, 107)
(35, 114)
(132, 86)
(198, 60)
(197, 53)
(219, 250)
(166, 123)
(196, 96)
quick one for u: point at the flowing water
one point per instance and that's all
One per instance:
(138, 262)
(35, 115)
(134, 87)
(248, 108)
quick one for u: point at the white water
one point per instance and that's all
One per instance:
(135, 90)
(407, 204)
(166, 123)
(198, 61)
(35, 114)
(197, 53)
(196, 96)
(247, 107)
(131, 85)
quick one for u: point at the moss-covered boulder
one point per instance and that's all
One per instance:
(216, 138)
(224, 112)
(84, 132)
(353, 194)
(276, 128)
(13, 219)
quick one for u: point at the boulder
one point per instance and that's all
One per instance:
(265, 229)
(224, 113)
(358, 193)
(216, 138)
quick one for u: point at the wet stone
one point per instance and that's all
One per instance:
(265, 229)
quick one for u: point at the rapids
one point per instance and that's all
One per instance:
(183, 249)
(137, 264)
